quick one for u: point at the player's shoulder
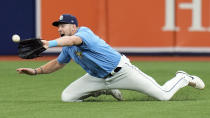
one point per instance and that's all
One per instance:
(83, 28)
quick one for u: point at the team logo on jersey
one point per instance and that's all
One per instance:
(78, 54)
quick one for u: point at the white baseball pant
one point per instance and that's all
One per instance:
(129, 78)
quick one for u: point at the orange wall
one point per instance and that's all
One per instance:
(86, 11)
(137, 24)
(123, 23)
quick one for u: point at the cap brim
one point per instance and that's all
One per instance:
(56, 23)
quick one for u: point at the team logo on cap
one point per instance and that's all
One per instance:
(61, 17)
(72, 21)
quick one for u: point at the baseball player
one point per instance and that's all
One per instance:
(107, 70)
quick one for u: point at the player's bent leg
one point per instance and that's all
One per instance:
(66, 97)
(132, 78)
(82, 87)
(88, 86)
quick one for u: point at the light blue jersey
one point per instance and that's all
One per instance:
(94, 55)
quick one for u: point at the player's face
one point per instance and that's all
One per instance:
(66, 29)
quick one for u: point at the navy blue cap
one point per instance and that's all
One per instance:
(66, 19)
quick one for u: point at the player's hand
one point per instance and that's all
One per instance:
(45, 44)
(28, 71)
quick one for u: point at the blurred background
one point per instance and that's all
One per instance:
(133, 27)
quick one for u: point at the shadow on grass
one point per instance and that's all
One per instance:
(145, 99)
(142, 99)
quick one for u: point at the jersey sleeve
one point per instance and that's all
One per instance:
(86, 35)
(64, 57)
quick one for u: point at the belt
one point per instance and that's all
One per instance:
(115, 71)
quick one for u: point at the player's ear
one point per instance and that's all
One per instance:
(74, 26)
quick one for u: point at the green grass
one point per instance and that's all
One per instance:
(23, 96)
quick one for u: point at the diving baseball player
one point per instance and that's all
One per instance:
(107, 70)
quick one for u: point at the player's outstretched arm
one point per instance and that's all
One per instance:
(62, 41)
(50, 67)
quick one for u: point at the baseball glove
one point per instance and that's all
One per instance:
(30, 48)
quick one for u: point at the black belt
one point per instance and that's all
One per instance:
(115, 70)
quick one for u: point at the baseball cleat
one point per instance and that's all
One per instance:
(194, 81)
(115, 93)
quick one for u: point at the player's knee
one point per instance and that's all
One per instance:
(164, 98)
(67, 97)
(64, 97)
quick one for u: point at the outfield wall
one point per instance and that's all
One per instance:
(17, 17)
(134, 26)
(139, 26)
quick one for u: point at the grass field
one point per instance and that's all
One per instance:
(23, 96)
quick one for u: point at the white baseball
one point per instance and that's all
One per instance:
(15, 38)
